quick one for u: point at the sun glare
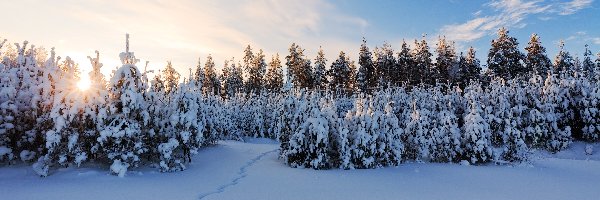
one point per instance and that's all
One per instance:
(84, 84)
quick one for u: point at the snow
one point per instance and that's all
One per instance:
(252, 170)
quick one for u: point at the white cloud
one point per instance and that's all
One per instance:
(596, 40)
(572, 7)
(510, 14)
(184, 30)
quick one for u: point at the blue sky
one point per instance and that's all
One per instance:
(184, 30)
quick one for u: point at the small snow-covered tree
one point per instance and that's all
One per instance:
(556, 103)
(122, 139)
(362, 139)
(476, 131)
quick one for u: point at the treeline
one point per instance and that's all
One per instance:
(391, 109)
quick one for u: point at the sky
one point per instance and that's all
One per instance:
(183, 31)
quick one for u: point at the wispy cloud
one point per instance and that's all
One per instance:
(508, 13)
(572, 7)
(183, 30)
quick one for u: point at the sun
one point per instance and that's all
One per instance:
(84, 84)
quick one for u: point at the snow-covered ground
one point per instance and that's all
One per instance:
(236, 170)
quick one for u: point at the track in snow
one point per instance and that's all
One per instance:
(242, 173)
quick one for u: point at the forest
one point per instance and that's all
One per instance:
(417, 103)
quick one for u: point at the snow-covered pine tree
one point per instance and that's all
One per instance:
(299, 67)
(184, 133)
(212, 84)
(256, 75)
(422, 62)
(389, 142)
(536, 127)
(536, 60)
(170, 79)
(62, 140)
(504, 58)
(515, 149)
(199, 77)
(556, 102)
(590, 115)
(248, 62)
(320, 74)
(446, 61)
(385, 65)
(406, 66)
(362, 140)
(274, 76)
(447, 137)
(366, 77)
(96, 109)
(476, 131)
(8, 110)
(340, 74)
(563, 62)
(122, 139)
(34, 100)
(472, 71)
(588, 65)
(419, 127)
(287, 123)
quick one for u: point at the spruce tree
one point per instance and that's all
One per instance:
(122, 139)
(405, 65)
(423, 64)
(504, 58)
(564, 63)
(588, 65)
(199, 77)
(446, 61)
(385, 65)
(536, 59)
(320, 79)
(256, 74)
(340, 74)
(299, 67)
(366, 77)
(170, 79)
(274, 77)
(212, 84)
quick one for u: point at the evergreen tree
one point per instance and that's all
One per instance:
(423, 63)
(405, 65)
(299, 67)
(122, 139)
(446, 61)
(536, 59)
(170, 79)
(199, 77)
(366, 77)
(212, 84)
(504, 58)
(385, 65)
(256, 74)
(588, 65)
(563, 62)
(274, 76)
(476, 131)
(248, 62)
(340, 74)
(556, 103)
(320, 78)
